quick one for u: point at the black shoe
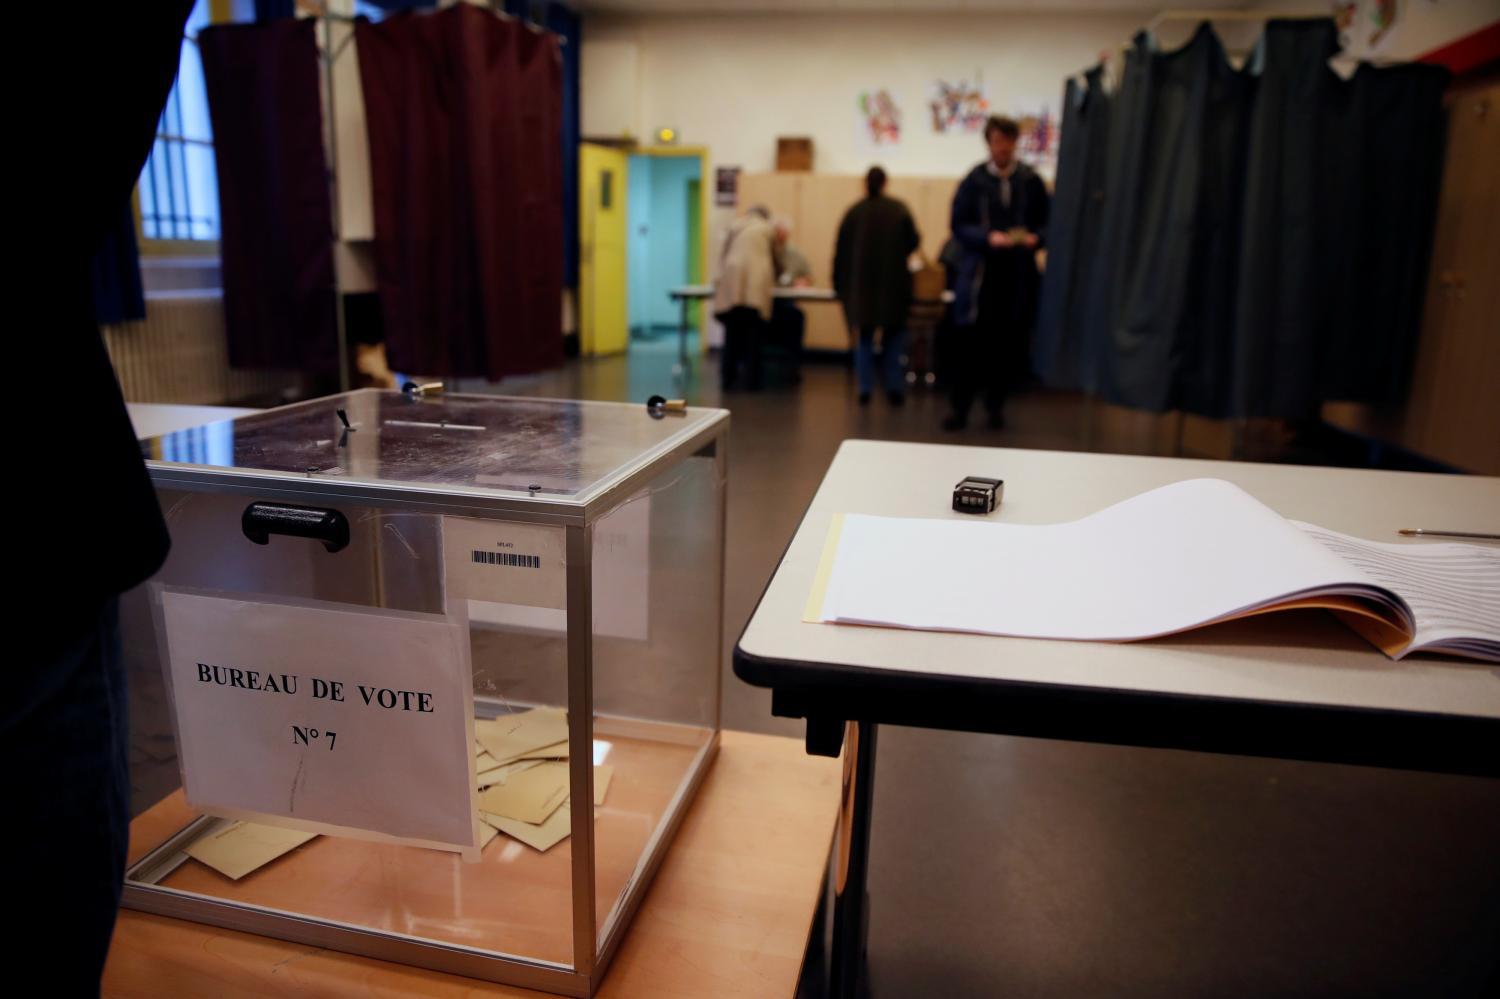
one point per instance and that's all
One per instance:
(897, 399)
(864, 398)
(955, 423)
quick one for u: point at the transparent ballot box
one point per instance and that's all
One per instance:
(441, 675)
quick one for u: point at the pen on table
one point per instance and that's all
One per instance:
(1427, 532)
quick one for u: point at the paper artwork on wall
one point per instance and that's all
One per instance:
(879, 118)
(1344, 12)
(958, 107)
(1365, 25)
(727, 186)
(1038, 142)
(1383, 15)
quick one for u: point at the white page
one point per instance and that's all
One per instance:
(1453, 590)
(1164, 561)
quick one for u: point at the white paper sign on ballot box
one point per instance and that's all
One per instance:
(328, 717)
(515, 575)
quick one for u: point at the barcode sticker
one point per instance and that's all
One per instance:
(504, 563)
(508, 559)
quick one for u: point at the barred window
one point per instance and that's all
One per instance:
(179, 193)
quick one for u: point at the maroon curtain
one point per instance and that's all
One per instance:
(464, 113)
(276, 227)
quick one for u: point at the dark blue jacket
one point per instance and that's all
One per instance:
(977, 211)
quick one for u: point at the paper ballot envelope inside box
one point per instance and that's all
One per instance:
(322, 717)
(1175, 558)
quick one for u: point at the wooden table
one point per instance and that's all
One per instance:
(727, 915)
(685, 295)
(1295, 686)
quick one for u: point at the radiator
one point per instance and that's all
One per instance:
(179, 353)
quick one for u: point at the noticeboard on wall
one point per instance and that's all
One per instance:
(726, 186)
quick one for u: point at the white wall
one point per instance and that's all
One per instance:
(734, 82)
(609, 84)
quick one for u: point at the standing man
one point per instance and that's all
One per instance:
(999, 214)
(96, 529)
(742, 298)
(873, 281)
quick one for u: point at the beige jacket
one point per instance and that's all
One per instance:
(747, 267)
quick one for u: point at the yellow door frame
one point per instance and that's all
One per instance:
(606, 334)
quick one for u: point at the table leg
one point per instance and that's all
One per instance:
(682, 328)
(851, 864)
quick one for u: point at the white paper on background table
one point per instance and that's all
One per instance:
(1168, 560)
(390, 751)
(505, 562)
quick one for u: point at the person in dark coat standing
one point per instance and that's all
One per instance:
(873, 281)
(999, 218)
(93, 527)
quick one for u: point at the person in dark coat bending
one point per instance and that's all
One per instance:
(873, 281)
(999, 217)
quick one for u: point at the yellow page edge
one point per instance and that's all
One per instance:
(813, 612)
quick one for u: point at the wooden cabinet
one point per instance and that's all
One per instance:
(1453, 411)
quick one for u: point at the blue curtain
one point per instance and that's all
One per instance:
(1260, 247)
(397, 6)
(269, 10)
(1064, 351)
(566, 22)
(116, 273)
(563, 21)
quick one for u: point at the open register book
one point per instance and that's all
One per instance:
(1185, 555)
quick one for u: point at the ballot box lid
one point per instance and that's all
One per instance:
(539, 457)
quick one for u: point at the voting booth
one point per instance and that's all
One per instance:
(443, 673)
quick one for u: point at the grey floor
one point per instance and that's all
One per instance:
(1018, 867)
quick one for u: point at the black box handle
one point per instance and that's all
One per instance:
(261, 520)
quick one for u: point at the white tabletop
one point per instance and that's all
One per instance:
(796, 293)
(804, 293)
(153, 419)
(1305, 658)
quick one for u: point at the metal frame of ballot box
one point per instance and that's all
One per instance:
(703, 434)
